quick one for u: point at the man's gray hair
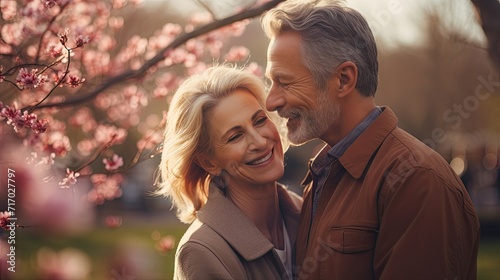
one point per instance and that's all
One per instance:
(331, 34)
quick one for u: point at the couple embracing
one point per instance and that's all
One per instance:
(377, 202)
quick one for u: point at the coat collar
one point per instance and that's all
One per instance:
(220, 214)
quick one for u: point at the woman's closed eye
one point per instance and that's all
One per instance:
(234, 137)
(260, 121)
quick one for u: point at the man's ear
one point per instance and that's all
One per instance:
(347, 73)
(207, 164)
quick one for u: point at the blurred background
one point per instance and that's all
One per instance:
(435, 73)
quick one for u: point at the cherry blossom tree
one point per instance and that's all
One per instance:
(79, 108)
(71, 95)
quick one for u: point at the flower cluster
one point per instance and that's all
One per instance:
(4, 219)
(20, 120)
(70, 179)
(74, 81)
(30, 80)
(105, 188)
(112, 164)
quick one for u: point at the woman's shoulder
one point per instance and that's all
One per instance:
(200, 236)
(200, 233)
(202, 250)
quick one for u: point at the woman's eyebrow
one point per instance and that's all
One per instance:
(237, 127)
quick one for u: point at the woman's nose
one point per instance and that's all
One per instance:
(258, 140)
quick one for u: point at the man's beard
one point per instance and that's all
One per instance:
(313, 123)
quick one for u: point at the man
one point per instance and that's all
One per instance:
(378, 203)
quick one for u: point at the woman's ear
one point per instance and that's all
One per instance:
(208, 164)
(347, 73)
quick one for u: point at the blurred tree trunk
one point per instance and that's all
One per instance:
(489, 13)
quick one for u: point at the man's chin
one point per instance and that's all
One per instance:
(297, 140)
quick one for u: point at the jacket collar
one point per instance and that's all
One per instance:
(220, 214)
(356, 158)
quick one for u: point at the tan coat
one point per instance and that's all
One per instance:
(222, 243)
(391, 208)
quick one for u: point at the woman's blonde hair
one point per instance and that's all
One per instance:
(186, 134)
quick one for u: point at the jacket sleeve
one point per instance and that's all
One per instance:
(196, 261)
(428, 229)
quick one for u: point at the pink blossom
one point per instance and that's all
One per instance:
(63, 36)
(83, 118)
(213, 41)
(47, 160)
(54, 50)
(106, 43)
(255, 69)
(198, 68)
(195, 47)
(22, 120)
(113, 163)
(74, 81)
(176, 56)
(5, 48)
(9, 113)
(12, 33)
(104, 188)
(112, 221)
(96, 62)
(116, 22)
(150, 142)
(237, 54)
(200, 18)
(165, 244)
(165, 84)
(39, 126)
(86, 146)
(4, 219)
(81, 40)
(70, 179)
(236, 29)
(108, 133)
(135, 97)
(8, 9)
(57, 143)
(49, 3)
(30, 80)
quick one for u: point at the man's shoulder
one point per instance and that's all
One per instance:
(401, 151)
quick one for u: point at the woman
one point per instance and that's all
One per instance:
(221, 158)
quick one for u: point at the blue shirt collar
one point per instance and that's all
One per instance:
(338, 149)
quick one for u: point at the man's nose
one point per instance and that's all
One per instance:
(275, 100)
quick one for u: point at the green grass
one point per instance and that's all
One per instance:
(106, 249)
(103, 245)
(488, 261)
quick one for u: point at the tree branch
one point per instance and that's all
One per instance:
(181, 39)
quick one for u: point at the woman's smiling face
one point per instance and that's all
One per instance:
(246, 143)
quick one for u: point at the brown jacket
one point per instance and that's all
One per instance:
(391, 208)
(222, 243)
